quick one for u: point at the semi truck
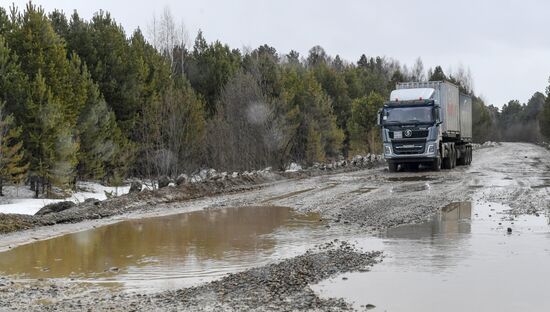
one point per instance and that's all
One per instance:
(426, 124)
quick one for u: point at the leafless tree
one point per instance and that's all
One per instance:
(418, 71)
(244, 134)
(168, 37)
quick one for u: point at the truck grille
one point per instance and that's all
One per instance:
(405, 148)
(414, 135)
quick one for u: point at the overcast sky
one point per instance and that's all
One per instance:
(505, 43)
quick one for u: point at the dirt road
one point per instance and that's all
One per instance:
(357, 207)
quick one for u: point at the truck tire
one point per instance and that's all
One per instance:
(392, 167)
(447, 164)
(436, 165)
(453, 157)
(463, 160)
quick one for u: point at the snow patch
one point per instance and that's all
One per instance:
(293, 167)
(20, 200)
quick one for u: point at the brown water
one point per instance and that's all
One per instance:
(169, 252)
(462, 260)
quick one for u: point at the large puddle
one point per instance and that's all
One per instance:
(169, 252)
(462, 260)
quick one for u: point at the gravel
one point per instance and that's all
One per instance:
(282, 286)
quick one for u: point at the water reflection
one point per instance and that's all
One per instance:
(189, 245)
(453, 219)
(463, 252)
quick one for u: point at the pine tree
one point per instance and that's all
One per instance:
(306, 106)
(363, 123)
(48, 139)
(12, 166)
(210, 68)
(13, 83)
(56, 96)
(544, 116)
(438, 75)
(101, 141)
(314, 149)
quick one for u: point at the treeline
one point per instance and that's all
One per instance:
(84, 100)
(514, 122)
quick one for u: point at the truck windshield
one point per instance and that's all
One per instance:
(420, 114)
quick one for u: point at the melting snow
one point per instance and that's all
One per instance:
(20, 200)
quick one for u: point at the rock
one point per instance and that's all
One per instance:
(370, 306)
(109, 195)
(93, 201)
(212, 174)
(163, 181)
(509, 230)
(203, 173)
(357, 160)
(135, 187)
(196, 178)
(182, 179)
(55, 207)
(293, 167)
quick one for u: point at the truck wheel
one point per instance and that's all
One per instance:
(453, 158)
(436, 165)
(392, 167)
(447, 161)
(463, 160)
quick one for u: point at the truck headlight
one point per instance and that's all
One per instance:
(387, 150)
(431, 149)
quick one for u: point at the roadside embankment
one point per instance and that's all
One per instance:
(209, 184)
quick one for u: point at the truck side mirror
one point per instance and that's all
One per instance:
(436, 115)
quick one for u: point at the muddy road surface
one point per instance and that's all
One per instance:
(474, 238)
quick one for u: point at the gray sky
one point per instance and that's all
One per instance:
(505, 43)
